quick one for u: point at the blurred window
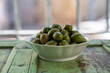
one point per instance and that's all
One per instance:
(34, 13)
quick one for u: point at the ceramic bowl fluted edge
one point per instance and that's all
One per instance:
(58, 53)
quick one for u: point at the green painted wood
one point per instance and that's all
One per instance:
(97, 42)
(106, 42)
(106, 48)
(4, 53)
(18, 52)
(9, 61)
(8, 43)
(91, 60)
(22, 44)
(33, 66)
(21, 62)
(15, 43)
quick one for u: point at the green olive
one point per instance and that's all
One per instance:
(58, 36)
(67, 38)
(41, 32)
(64, 42)
(64, 32)
(56, 26)
(52, 31)
(55, 35)
(83, 40)
(46, 29)
(74, 31)
(68, 27)
(36, 41)
(52, 42)
(44, 38)
(37, 35)
(78, 38)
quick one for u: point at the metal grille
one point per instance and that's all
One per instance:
(18, 32)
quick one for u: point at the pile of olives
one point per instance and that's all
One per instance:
(56, 35)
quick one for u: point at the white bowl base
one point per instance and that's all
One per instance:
(65, 59)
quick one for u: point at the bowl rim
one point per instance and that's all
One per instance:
(58, 46)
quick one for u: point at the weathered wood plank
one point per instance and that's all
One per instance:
(4, 53)
(95, 42)
(22, 61)
(14, 43)
(9, 61)
(12, 58)
(91, 60)
(8, 43)
(106, 48)
(22, 44)
(33, 66)
(106, 42)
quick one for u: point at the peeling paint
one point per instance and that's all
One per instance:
(91, 60)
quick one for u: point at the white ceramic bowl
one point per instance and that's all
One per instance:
(58, 53)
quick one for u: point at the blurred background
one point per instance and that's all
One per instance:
(27, 17)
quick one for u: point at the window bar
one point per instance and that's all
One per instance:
(17, 18)
(78, 15)
(107, 14)
(48, 13)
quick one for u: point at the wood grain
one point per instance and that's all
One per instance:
(4, 53)
(8, 43)
(9, 61)
(91, 60)
(94, 59)
(22, 58)
(33, 65)
(21, 62)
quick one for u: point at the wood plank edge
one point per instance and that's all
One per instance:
(6, 46)
(33, 64)
(8, 40)
(106, 48)
(8, 43)
(95, 45)
(9, 61)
